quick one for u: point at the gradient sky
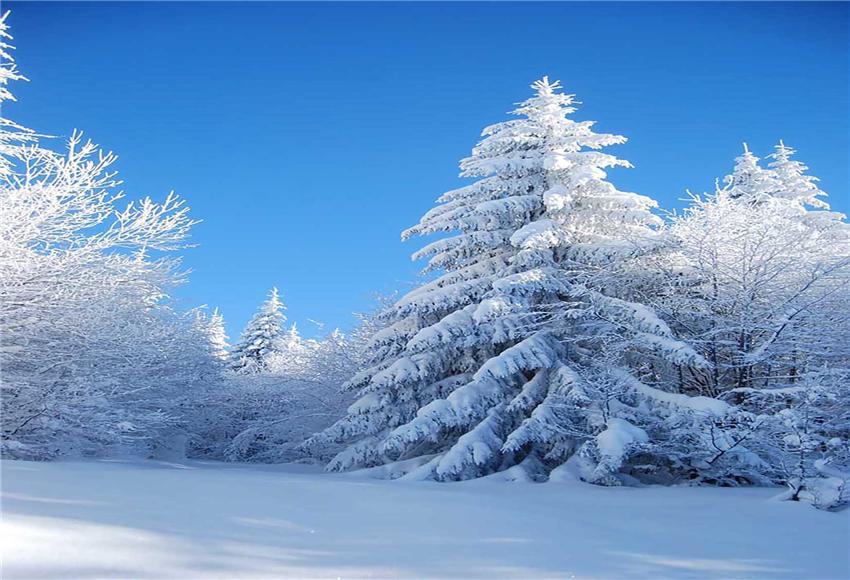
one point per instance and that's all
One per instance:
(307, 136)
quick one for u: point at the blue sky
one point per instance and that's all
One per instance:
(307, 136)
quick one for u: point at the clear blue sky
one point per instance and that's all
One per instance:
(307, 136)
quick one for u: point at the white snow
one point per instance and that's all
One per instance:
(197, 520)
(619, 434)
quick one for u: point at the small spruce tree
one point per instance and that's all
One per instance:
(259, 339)
(218, 335)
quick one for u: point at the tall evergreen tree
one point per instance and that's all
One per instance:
(499, 360)
(258, 342)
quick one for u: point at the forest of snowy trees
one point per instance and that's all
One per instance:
(566, 329)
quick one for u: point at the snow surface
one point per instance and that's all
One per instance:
(200, 519)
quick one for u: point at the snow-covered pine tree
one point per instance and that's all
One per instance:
(792, 181)
(211, 327)
(749, 180)
(515, 353)
(258, 340)
(218, 335)
(291, 343)
(291, 354)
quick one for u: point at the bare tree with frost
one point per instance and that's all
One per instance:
(92, 355)
(760, 285)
